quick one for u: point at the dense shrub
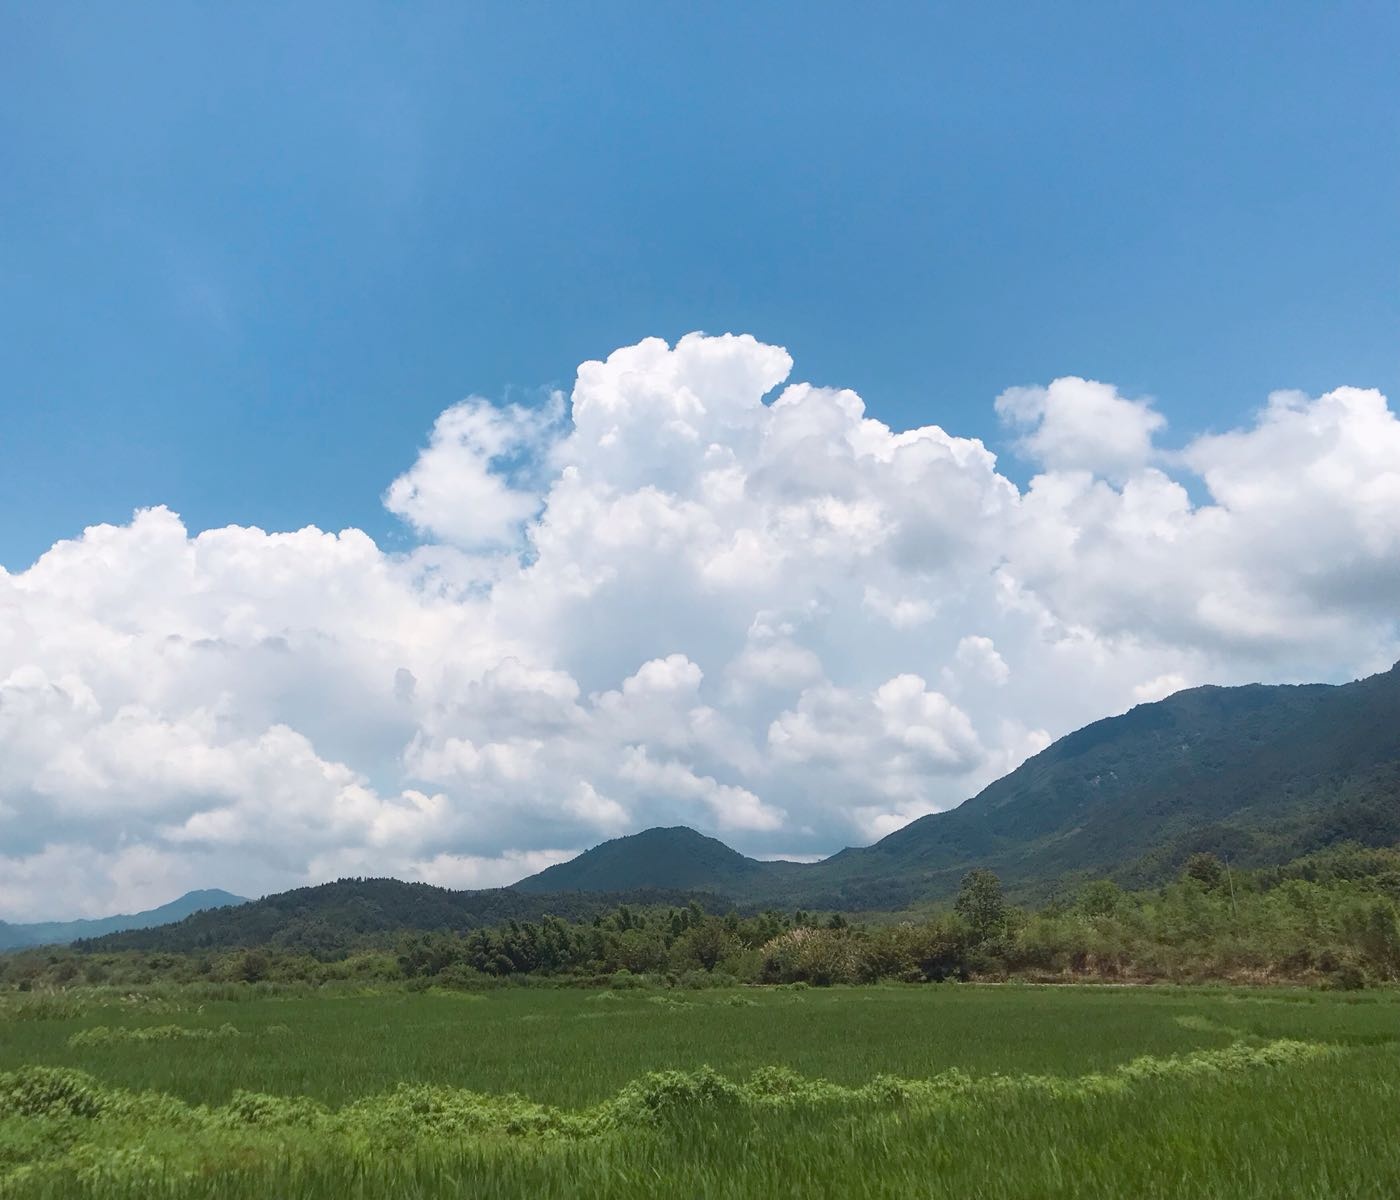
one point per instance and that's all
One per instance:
(816, 956)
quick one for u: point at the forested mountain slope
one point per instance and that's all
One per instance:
(676, 857)
(349, 914)
(1258, 773)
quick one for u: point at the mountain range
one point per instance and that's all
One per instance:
(1256, 774)
(331, 919)
(50, 933)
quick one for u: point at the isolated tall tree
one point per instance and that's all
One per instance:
(981, 904)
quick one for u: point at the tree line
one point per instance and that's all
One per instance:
(1328, 918)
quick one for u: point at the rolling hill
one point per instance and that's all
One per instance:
(677, 857)
(333, 918)
(50, 933)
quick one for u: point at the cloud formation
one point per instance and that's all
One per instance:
(692, 598)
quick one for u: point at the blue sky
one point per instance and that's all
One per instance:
(303, 268)
(245, 259)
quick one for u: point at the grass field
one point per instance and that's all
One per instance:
(923, 1091)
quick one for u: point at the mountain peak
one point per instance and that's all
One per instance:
(673, 856)
(210, 898)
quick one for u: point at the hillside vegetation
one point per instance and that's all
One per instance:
(676, 857)
(1330, 918)
(332, 919)
(1254, 774)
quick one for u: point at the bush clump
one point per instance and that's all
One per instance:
(101, 1035)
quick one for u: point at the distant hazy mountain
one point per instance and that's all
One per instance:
(49, 933)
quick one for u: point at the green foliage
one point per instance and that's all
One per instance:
(1377, 933)
(704, 944)
(1100, 898)
(1326, 918)
(66, 1130)
(675, 858)
(981, 904)
(99, 1035)
(737, 1092)
(334, 920)
(50, 1092)
(1205, 869)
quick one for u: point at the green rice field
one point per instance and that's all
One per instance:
(936, 1090)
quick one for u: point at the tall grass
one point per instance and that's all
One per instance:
(863, 1092)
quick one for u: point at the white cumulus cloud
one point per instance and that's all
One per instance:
(471, 485)
(701, 594)
(1082, 425)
